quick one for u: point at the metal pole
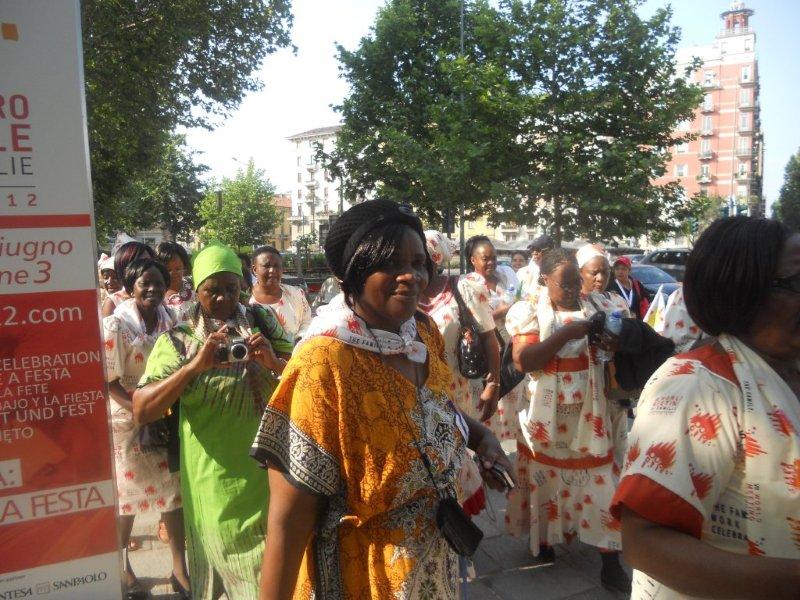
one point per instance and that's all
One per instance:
(461, 242)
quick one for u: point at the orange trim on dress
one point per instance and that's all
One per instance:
(656, 504)
(526, 339)
(567, 365)
(713, 358)
(589, 462)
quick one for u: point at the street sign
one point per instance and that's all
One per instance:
(58, 510)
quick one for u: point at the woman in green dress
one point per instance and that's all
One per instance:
(220, 403)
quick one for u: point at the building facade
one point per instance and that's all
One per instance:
(727, 157)
(317, 199)
(280, 236)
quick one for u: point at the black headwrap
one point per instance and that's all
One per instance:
(348, 231)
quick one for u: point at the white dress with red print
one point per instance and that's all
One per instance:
(677, 325)
(715, 453)
(144, 481)
(565, 467)
(443, 309)
(292, 310)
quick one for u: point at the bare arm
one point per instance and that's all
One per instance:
(486, 445)
(120, 394)
(534, 357)
(491, 393)
(292, 516)
(108, 307)
(692, 567)
(501, 311)
(151, 401)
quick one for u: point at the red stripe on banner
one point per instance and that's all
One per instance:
(58, 539)
(34, 221)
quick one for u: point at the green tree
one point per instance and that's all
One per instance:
(247, 214)
(702, 211)
(170, 193)
(423, 124)
(787, 208)
(600, 99)
(152, 66)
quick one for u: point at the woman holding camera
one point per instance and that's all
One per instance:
(568, 459)
(144, 482)
(220, 367)
(362, 438)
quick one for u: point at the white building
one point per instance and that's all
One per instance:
(316, 198)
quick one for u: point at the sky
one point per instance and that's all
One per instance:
(301, 87)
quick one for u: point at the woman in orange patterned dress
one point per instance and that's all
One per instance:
(362, 432)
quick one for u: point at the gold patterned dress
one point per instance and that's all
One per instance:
(342, 425)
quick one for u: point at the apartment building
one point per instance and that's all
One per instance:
(280, 236)
(727, 156)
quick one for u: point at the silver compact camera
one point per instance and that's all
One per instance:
(234, 350)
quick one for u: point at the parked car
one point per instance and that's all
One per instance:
(671, 260)
(634, 257)
(653, 278)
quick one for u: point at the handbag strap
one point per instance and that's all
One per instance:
(465, 317)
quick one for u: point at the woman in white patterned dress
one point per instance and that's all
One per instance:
(566, 466)
(144, 482)
(287, 301)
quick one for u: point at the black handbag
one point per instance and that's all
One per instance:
(472, 362)
(509, 376)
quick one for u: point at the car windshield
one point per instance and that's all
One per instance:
(648, 274)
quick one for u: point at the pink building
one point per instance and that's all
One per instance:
(725, 159)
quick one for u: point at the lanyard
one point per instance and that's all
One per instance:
(628, 296)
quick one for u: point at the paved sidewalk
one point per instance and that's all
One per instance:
(503, 568)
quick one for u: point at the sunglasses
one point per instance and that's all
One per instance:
(788, 284)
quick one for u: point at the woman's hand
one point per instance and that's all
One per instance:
(577, 329)
(489, 399)
(489, 453)
(206, 358)
(263, 353)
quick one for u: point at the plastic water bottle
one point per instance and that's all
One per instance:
(511, 294)
(614, 327)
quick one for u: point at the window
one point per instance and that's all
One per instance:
(470, 225)
(705, 171)
(741, 191)
(748, 44)
(299, 177)
(708, 102)
(746, 73)
(744, 122)
(298, 161)
(707, 123)
(682, 148)
(744, 97)
(681, 170)
(705, 146)
(299, 194)
(742, 168)
(325, 193)
(709, 77)
(744, 146)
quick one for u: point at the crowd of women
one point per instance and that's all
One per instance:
(377, 444)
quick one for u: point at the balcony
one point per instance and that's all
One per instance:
(706, 154)
(509, 227)
(708, 108)
(746, 105)
(704, 178)
(747, 81)
(743, 177)
(706, 132)
(744, 152)
(712, 84)
(735, 31)
(311, 184)
(747, 129)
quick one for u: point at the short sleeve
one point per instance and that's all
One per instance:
(683, 447)
(522, 319)
(476, 299)
(114, 348)
(163, 361)
(298, 434)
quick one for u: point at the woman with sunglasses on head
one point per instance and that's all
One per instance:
(710, 496)
(174, 257)
(362, 440)
(566, 466)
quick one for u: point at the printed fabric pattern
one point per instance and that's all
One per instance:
(340, 425)
(715, 448)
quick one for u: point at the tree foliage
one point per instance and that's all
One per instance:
(151, 66)
(248, 211)
(422, 124)
(787, 208)
(560, 114)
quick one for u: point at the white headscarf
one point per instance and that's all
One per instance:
(439, 247)
(588, 252)
(105, 262)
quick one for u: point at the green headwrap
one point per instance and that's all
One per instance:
(214, 258)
